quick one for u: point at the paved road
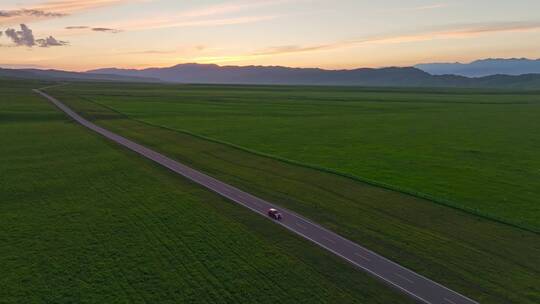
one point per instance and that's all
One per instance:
(412, 284)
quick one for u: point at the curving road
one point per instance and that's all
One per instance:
(412, 284)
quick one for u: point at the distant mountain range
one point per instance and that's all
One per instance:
(393, 77)
(275, 75)
(211, 73)
(65, 75)
(485, 67)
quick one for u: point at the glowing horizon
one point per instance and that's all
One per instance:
(88, 34)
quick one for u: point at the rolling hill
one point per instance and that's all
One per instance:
(66, 75)
(276, 75)
(485, 67)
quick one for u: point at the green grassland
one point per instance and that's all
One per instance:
(485, 259)
(84, 221)
(477, 150)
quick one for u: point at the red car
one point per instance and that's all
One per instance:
(273, 213)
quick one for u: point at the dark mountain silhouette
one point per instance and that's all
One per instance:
(210, 73)
(213, 74)
(393, 76)
(65, 75)
(485, 67)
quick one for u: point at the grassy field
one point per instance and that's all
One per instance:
(83, 221)
(484, 259)
(477, 150)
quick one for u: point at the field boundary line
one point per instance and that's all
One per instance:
(428, 292)
(424, 196)
(417, 194)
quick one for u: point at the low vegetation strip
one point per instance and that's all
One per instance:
(441, 144)
(447, 203)
(82, 221)
(423, 289)
(465, 252)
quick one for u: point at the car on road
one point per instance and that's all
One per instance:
(273, 213)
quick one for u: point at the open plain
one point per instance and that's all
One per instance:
(463, 250)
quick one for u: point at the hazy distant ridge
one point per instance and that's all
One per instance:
(210, 73)
(484, 67)
(214, 74)
(58, 75)
(393, 76)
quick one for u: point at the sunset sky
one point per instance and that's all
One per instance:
(87, 34)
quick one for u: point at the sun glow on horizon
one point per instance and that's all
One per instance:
(88, 34)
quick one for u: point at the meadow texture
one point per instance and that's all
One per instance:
(84, 221)
(485, 259)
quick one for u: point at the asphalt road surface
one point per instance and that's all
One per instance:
(412, 284)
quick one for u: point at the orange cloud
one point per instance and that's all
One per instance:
(71, 6)
(158, 23)
(461, 32)
(428, 7)
(224, 59)
(211, 15)
(233, 7)
(53, 9)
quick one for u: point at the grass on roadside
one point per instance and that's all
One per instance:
(478, 150)
(486, 260)
(84, 221)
